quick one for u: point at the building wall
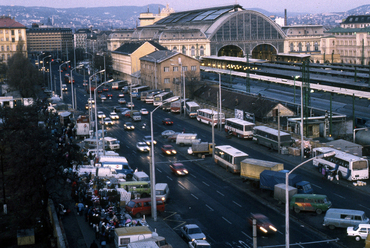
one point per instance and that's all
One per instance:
(12, 40)
(193, 48)
(122, 66)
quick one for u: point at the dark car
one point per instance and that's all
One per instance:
(179, 169)
(168, 150)
(148, 140)
(167, 121)
(172, 137)
(263, 223)
(105, 89)
(109, 95)
(128, 126)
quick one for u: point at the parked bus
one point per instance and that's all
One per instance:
(176, 107)
(150, 97)
(116, 85)
(205, 116)
(229, 157)
(137, 90)
(167, 106)
(158, 99)
(126, 89)
(239, 128)
(191, 109)
(144, 94)
(269, 137)
(347, 166)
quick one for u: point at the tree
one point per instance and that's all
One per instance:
(192, 79)
(22, 75)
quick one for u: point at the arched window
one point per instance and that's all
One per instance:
(291, 47)
(316, 46)
(201, 52)
(308, 46)
(174, 49)
(183, 49)
(192, 53)
(300, 46)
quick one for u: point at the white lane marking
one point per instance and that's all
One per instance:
(220, 193)
(193, 175)
(237, 204)
(209, 207)
(246, 235)
(205, 183)
(159, 170)
(194, 196)
(364, 206)
(317, 186)
(182, 186)
(226, 220)
(340, 196)
(279, 232)
(169, 178)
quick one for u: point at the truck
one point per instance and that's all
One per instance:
(250, 169)
(119, 163)
(107, 172)
(268, 180)
(112, 143)
(135, 115)
(201, 148)
(279, 192)
(82, 126)
(186, 139)
(143, 244)
(125, 235)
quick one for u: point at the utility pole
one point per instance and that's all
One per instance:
(247, 82)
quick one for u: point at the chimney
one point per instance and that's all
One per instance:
(285, 18)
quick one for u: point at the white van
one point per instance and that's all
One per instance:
(344, 218)
(141, 176)
(162, 191)
(186, 138)
(112, 143)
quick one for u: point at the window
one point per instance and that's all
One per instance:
(7, 48)
(166, 69)
(184, 68)
(12, 32)
(166, 81)
(124, 241)
(174, 49)
(175, 68)
(308, 46)
(300, 46)
(183, 49)
(13, 39)
(291, 47)
(193, 68)
(192, 51)
(2, 48)
(201, 52)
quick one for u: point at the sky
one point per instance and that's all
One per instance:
(311, 6)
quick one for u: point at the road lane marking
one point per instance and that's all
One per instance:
(220, 193)
(317, 186)
(226, 220)
(205, 183)
(182, 186)
(246, 235)
(159, 170)
(169, 178)
(364, 206)
(193, 175)
(209, 207)
(237, 204)
(340, 196)
(194, 196)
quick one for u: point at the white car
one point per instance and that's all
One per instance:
(142, 146)
(114, 116)
(103, 97)
(64, 87)
(166, 133)
(121, 101)
(199, 244)
(108, 121)
(130, 104)
(101, 114)
(144, 111)
(359, 232)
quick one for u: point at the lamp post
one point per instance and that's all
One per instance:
(43, 65)
(295, 77)
(51, 77)
(354, 132)
(60, 78)
(302, 121)
(38, 60)
(90, 97)
(219, 95)
(325, 155)
(96, 115)
(73, 103)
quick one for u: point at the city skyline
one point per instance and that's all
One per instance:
(313, 6)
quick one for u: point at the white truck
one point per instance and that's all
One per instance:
(123, 236)
(201, 148)
(82, 126)
(186, 139)
(120, 164)
(112, 143)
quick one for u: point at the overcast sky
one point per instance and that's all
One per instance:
(311, 6)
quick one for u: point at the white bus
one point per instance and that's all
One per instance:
(205, 116)
(191, 109)
(150, 97)
(167, 106)
(229, 157)
(116, 85)
(144, 94)
(239, 128)
(348, 166)
(270, 137)
(158, 99)
(137, 90)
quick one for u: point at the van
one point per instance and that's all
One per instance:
(143, 206)
(162, 191)
(141, 176)
(159, 240)
(344, 218)
(186, 138)
(141, 187)
(112, 143)
(309, 202)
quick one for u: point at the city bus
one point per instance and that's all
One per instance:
(137, 90)
(229, 157)
(267, 136)
(176, 107)
(116, 85)
(158, 99)
(167, 106)
(239, 128)
(126, 89)
(191, 109)
(347, 166)
(144, 94)
(150, 97)
(205, 116)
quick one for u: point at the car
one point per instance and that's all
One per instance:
(173, 137)
(167, 133)
(142, 147)
(108, 121)
(144, 111)
(121, 101)
(263, 223)
(114, 116)
(168, 150)
(128, 126)
(103, 97)
(118, 109)
(120, 95)
(85, 83)
(360, 231)
(130, 104)
(101, 114)
(199, 244)
(64, 87)
(179, 169)
(100, 90)
(109, 95)
(91, 100)
(127, 113)
(105, 89)
(191, 232)
(167, 121)
(148, 140)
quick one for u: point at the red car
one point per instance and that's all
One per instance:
(168, 150)
(167, 121)
(263, 223)
(179, 169)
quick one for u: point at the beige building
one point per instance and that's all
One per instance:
(351, 40)
(125, 59)
(12, 38)
(119, 37)
(168, 70)
(148, 18)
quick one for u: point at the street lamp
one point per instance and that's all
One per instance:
(90, 97)
(73, 103)
(219, 95)
(354, 132)
(295, 77)
(325, 155)
(96, 115)
(60, 78)
(38, 60)
(51, 77)
(43, 65)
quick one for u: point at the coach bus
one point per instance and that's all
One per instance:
(168, 103)
(158, 99)
(205, 116)
(346, 165)
(144, 94)
(239, 128)
(270, 137)
(191, 109)
(137, 90)
(229, 157)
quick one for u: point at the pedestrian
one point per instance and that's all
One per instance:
(323, 172)
(94, 245)
(97, 236)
